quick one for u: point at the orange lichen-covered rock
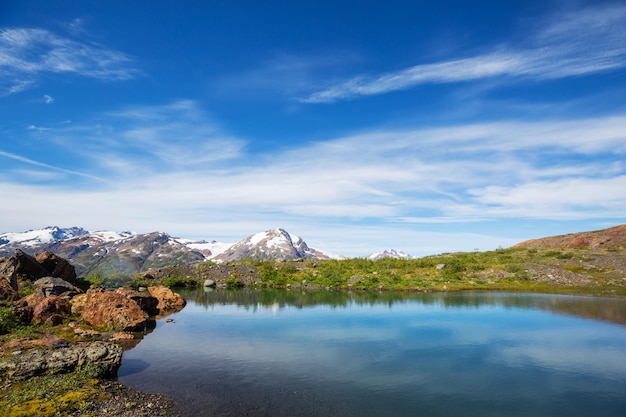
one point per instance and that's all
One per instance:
(104, 308)
(169, 301)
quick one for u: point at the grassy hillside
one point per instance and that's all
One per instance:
(580, 270)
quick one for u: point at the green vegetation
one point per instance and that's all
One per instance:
(515, 269)
(8, 320)
(51, 395)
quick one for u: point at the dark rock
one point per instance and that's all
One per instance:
(104, 359)
(51, 306)
(24, 314)
(57, 266)
(54, 286)
(27, 267)
(54, 320)
(20, 266)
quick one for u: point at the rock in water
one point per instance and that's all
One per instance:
(169, 301)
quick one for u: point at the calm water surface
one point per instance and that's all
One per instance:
(287, 353)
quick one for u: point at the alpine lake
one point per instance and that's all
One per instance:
(330, 353)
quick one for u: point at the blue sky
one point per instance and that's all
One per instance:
(422, 126)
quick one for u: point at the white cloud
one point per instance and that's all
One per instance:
(585, 42)
(172, 168)
(48, 99)
(25, 53)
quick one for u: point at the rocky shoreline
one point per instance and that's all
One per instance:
(61, 346)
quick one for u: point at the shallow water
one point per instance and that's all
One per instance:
(287, 353)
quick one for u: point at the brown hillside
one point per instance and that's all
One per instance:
(614, 237)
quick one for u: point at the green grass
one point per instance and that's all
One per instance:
(501, 269)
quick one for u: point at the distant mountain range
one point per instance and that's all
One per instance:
(129, 252)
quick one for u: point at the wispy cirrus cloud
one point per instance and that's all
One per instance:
(26, 53)
(47, 167)
(584, 42)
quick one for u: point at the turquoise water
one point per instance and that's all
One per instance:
(287, 353)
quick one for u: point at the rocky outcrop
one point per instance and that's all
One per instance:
(110, 309)
(169, 301)
(148, 303)
(102, 358)
(612, 238)
(20, 266)
(52, 310)
(23, 266)
(57, 266)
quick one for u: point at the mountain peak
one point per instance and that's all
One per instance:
(389, 253)
(272, 244)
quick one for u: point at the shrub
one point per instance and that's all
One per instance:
(8, 320)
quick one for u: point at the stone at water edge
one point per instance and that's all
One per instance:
(104, 359)
(147, 302)
(105, 308)
(168, 300)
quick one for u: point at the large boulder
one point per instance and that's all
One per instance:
(102, 358)
(110, 309)
(20, 266)
(169, 301)
(147, 302)
(55, 286)
(52, 307)
(57, 266)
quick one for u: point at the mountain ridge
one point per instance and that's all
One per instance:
(610, 238)
(129, 252)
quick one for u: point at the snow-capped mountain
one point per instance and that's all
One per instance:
(104, 251)
(389, 253)
(271, 244)
(39, 236)
(129, 252)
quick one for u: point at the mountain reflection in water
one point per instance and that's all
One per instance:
(360, 354)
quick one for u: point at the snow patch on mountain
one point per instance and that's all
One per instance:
(209, 249)
(38, 236)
